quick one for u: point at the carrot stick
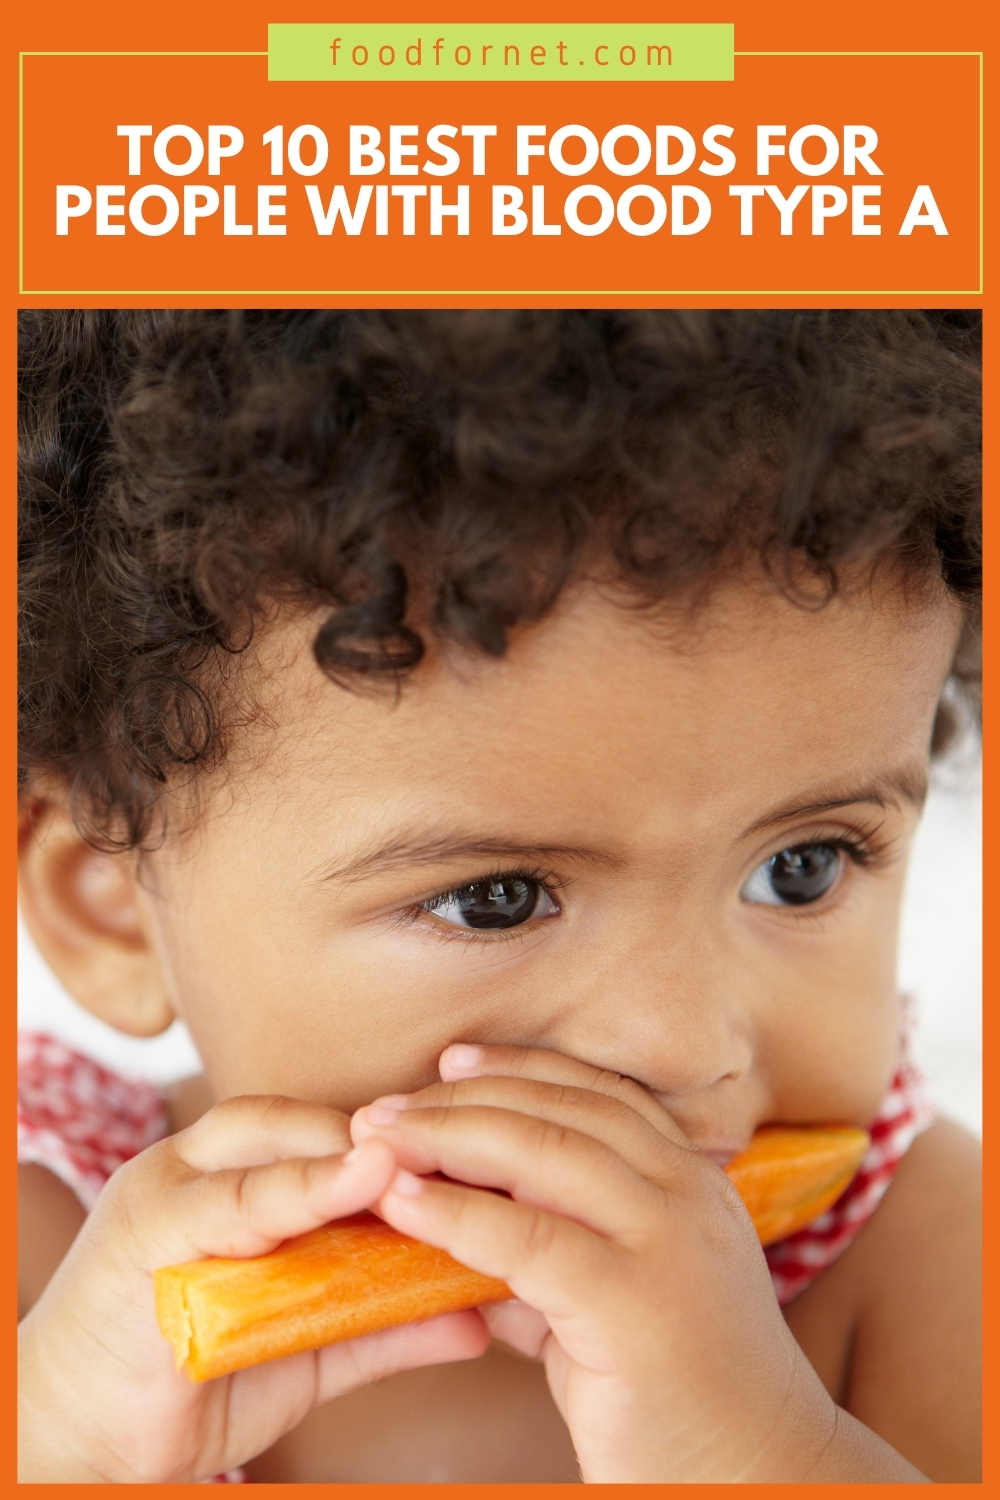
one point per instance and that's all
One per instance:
(358, 1275)
(349, 1278)
(787, 1177)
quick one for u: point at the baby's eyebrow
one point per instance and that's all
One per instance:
(905, 784)
(406, 850)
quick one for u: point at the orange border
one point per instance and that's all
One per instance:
(781, 24)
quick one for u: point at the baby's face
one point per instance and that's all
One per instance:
(677, 855)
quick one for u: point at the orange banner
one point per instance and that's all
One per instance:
(809, 175)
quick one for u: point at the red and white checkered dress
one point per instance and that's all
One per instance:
(77, 1118)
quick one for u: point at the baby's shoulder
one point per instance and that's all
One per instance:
(933, 1205)
(894, 1326)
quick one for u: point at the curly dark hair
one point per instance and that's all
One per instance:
(445, 474)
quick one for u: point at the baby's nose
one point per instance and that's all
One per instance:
(721, 1116)
(677, 1050)
(708, 1082)
(713, 1052)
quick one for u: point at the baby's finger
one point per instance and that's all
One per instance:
(631, 1135)
(461, 1060)
(524, 1328)
(179, 1215)
(443, 1340)
(271, 1399)
(259, 1128)
(340, 1368)
(547, 1261)
(537, 1162)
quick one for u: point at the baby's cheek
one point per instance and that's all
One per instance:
(833, 1056)
(831, 1023)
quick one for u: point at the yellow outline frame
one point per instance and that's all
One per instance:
(474, 291)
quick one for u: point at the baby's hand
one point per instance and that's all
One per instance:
(99, 1396)
(639, 1277)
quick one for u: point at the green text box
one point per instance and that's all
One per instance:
(479, 53)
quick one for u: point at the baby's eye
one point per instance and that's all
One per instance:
(795, 876)
(500, 901)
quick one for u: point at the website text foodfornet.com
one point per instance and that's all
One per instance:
(360, 55)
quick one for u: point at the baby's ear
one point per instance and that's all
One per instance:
(87, 914)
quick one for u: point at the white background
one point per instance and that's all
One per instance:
(940, 964)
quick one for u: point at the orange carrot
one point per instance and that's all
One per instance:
(788, 1177)
(357, 1275)
(351, 1277)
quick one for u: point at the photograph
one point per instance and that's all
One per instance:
(469, 765)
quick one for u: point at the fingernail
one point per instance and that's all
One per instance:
(406, 1185)
(392, 1101)
(379, 1114)
(462, 1057)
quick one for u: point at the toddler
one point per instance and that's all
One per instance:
(498, 736)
